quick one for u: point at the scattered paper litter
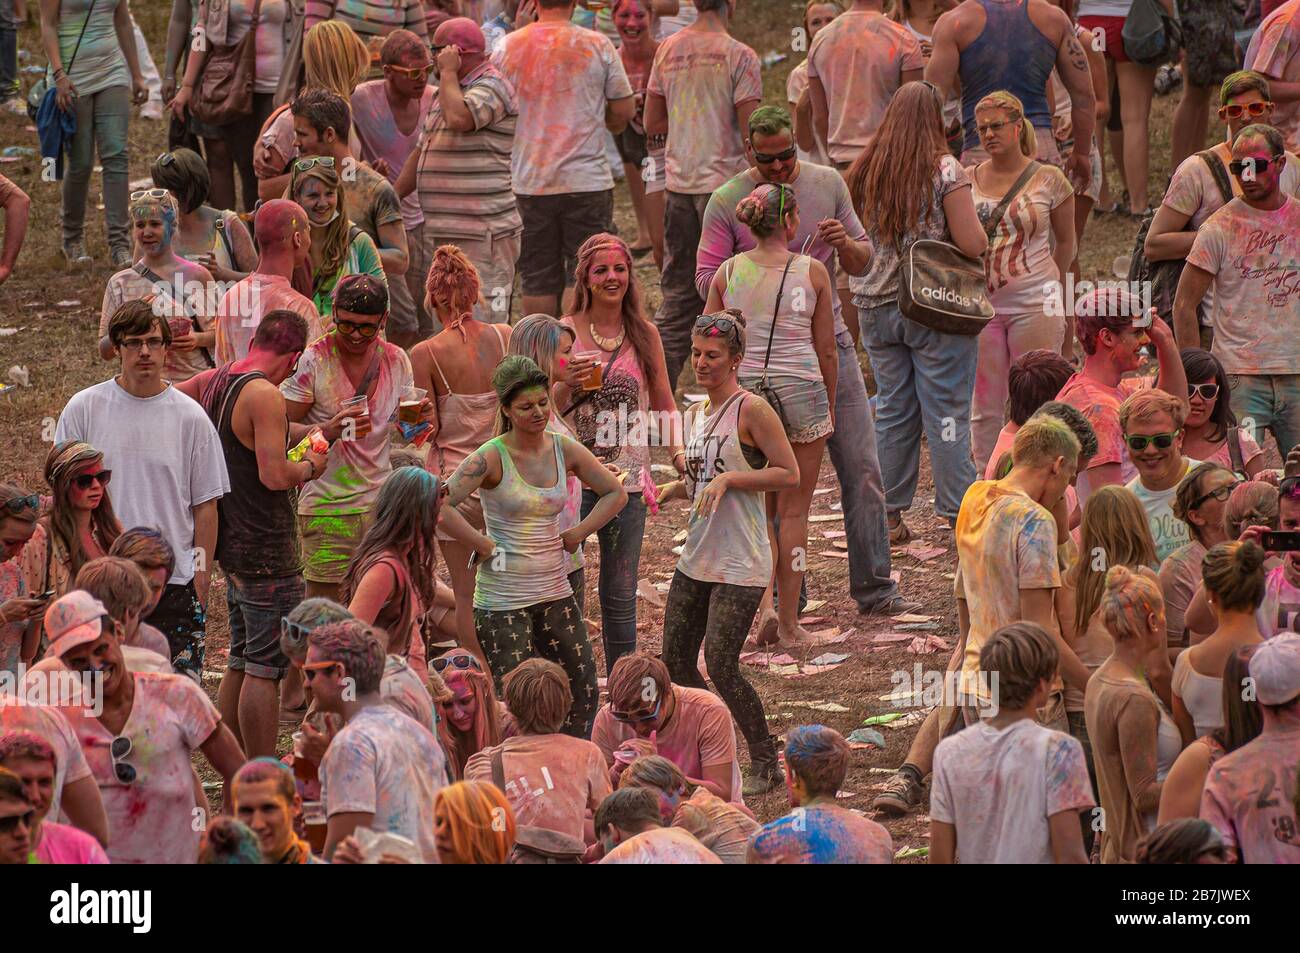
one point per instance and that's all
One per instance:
(922, 552)
(896, 575)
(892, 637)
(822, 489)
(647, 591)
(898, 696)
(677, 550)
(833, 534)
(813, 605)
(5, 332)
(811, 619)
(840, 543)
(837, 506)
(917, 626)
(820, 705)
(866, 736)
(884, 719)
(924, 644)
(70, 303)
(680, 537)
(784, 670)
(908, 720)
(844, 795)
(906, 852)
(913, 617)
(832, 554)
(826, 518)
(830, 658)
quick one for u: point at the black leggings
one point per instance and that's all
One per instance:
(554, 631)
(717, 615)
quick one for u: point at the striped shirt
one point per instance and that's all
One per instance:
(463, 178)
(372, 17)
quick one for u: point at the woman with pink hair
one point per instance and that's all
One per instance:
(470, 719)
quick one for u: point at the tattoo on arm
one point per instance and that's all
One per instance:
(466, 479)
(1075, 52)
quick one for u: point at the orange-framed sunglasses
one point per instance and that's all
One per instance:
(1237, 110)
(309, 669)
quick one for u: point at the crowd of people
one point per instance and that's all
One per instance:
(382, 373)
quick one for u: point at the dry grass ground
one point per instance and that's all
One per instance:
(57, 311)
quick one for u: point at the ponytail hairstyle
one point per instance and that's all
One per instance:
(641, 334)
(1233, 573)
(453, 277)
(539, 338)
(1131, 596)
(766, 209)
(513, 374)
(1008, 102)
(1115, 525)
(1253, 503)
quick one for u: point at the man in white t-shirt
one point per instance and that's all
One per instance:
(1007, 790)
(702, 88)
(1152, 424)
(170, 468)
(572, 87)
(1249, 253)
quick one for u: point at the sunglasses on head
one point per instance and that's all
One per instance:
(20, 503)
(165, 159)
(303, 165)
(83, 480)
(1238, 167)
(1237, 110)
(462, 662)
(1221, 494)
(629, 719)
(352, 327)
(10, 824)
(1206, 392)
(294, 631)
(142, 194)
(119, 749)
(708, 322)
(767, 158)
(1163, 441)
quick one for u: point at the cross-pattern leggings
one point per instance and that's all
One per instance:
(717, 615)
(552, 630)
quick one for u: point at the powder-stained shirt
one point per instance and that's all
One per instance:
(860, 58)
(565, 77)
(1194, 192)
(703, 77)
(376, 127)
(362, 259)
(1167, 530)
(1006, 542)
(372, 17)
(241, 309)
(129, 285)
(462, 179)
(355, 469)
(52, 725)
(1280, 610)
(1180, 574)
(372, 201)
(1275, 51)
(1099, 403)
(822, 834)
(552, 781)
(795, 86)
(151, 820)
(999, 787)
(65, 844)
(661, 845)
(385, 764)
(1254, 256)
(730, 828)
(99, 62)
(13, 585)
(1019, 264)
(401, 687)
(1249, 797)
(700, 734)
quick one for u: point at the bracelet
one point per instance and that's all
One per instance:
(59, 74)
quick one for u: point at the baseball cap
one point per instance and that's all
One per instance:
(73, 620)
(1275, 667)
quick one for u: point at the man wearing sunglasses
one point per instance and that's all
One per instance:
(17, 820)
(138, 735)
(829, 229)
(32, 760)
(1152, 423)
(388, 115)
(168, 468)
(1272, 52)
(1202, 185)
(1249, 254)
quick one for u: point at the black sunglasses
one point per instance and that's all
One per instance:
(83, 480)
(462, 662)
(367, 331)
(10, 824)
(1238, 166)
(119, 749)
(766, 158)
(707, 322)
(20, 503)
(1163, 441)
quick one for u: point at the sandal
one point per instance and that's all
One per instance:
(899, 532)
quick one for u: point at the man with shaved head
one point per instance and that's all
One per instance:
(388, 115)
(283, 243)
(459, 172)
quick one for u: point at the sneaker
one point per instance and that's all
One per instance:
(153, 109)
(76, 254)
(894, 605)
(122, 257)
(900, 796)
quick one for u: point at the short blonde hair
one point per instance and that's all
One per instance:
(1042, 439)
(1147, 403)
(117, 582)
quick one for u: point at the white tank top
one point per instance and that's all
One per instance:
(731, 546)
(752, 288)
(524, 522)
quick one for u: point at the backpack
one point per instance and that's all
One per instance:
(1150, 35)
(1163, 275)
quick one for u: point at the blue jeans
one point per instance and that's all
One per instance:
(857, 467)
(101, 125)
(923, 379)
(1268, 400)
(256, 605)
(620, 556)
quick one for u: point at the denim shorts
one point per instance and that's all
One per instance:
(804, 406)
(256, 605)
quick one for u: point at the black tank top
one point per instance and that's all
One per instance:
(257, 532)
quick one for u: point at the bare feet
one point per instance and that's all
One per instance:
(768, 629)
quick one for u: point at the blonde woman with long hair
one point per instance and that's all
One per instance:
(338, 247)
(913, 189)
(1031, 247)
(333, 58)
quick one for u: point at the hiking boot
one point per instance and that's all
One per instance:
(894, 605)
(899, 532)
(900, 796)
(122, 257)
(764, 770)
(75, 252)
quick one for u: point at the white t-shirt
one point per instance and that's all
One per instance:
(998, 787)
(52, 725)
(664, 27)
(1167, 530)
(1280, 610)
(165, 456)
(384, 763)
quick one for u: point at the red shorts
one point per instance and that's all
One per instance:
(1111, 28)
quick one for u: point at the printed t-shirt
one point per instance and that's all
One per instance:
(822, 834)
(1167, 530)
(1249, 797)
(1272, 51)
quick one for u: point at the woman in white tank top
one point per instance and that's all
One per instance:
(736, 454)
(792, 362)
(523, 603)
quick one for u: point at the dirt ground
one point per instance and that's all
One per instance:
(56, 311)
